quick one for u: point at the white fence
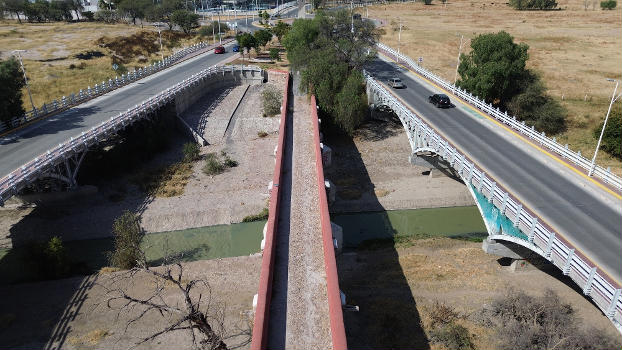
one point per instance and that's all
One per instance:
(539, 237)
(20, 177)
(575, 157)
(102, 88)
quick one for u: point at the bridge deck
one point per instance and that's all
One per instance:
(299, 315)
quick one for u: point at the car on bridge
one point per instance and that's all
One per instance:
(219, 49)
(396, 83)
(440, 100)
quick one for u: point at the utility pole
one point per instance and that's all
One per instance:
(399, 38)
(160, 34)
(352, 15)
(19, 56)
(613, 99)
(458, 63)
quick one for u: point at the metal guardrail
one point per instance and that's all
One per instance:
(89, 93)
(17, 179)
(551, 143)
(539, 237)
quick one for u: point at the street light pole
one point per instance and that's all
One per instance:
(458, 63)
(219, 36)
(352, 15)
(399, 39)
(19, 56)
(613, 99)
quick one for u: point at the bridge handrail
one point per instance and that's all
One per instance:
(536, 234)
(89, 93)
(51, 156)
(337, 327)
(259, 337)
(551, 143)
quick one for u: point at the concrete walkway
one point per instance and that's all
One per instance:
(299, 315)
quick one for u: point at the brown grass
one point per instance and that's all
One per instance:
(91, 338)
(51, 49)
(168, 181)
(574, 50)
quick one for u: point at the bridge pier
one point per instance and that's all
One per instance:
(68, 170)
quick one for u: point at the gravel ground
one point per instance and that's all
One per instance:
(72, 313)
(308, 324)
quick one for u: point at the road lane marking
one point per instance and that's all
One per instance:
(489, 173)
(554, 157)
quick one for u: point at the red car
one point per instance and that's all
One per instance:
(219, 49)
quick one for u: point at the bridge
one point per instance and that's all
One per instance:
(531, 192)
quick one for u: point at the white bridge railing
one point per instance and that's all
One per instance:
(575, 157)
(16, 180)
(84, 95)
(537, 235)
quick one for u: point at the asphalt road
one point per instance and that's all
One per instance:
(21, 146)
(575, 211)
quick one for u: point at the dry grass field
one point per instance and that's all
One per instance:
(574, 50)
(51, 61)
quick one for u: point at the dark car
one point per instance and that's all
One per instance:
(440, 100)
(236, 48)
(219, 49)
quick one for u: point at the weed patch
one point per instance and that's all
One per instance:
(263, 215)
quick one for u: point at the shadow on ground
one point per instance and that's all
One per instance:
(47, 325)
(372, 280)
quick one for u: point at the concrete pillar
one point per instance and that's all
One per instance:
(331, 191)
(504, 249)
(337, 237)
(326, 155)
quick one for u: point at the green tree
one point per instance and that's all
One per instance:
(533, 4)
(134, 9)
(538, 109)
(11, 84)
(263, 37)
(127, 238)
(186, 20)
(608, 4)
(15, 7)
(351, 103)
(265, 15)
(612, 138)
(246, 41)
(280, 29)
(275, 54)
(37, 11)
(163, 11)
(493, 67)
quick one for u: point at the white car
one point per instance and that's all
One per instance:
(396, 83)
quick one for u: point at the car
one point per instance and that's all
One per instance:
(440, 100)
(396, 83)
(236, 48)
(219, 49)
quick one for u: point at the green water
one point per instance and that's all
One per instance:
(456, 222)
(210, 242)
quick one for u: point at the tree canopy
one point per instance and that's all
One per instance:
(493, 67)
(612, 138)
(186, 20)
(11, 84)
(330, 56)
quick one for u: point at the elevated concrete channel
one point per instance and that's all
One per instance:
(299, 303)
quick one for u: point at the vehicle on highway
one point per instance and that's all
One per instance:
(440, 100)
(396, 83)
(236, 48)
(219, 49)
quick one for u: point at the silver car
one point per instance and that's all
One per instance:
(396, 83)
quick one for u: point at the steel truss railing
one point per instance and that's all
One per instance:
(539, 137)
(46, 162)
(537, 236)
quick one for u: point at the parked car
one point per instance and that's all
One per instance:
(219, 49)
(440, 100)
(396, 83)
(236, 48)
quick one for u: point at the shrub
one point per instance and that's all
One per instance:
(536, 108)
(274, 54)
(263, 215)
(213, 166)
(533, 4)
(127, 238)
(89, 15)
(230, 163)
(608, 5)
(427, 2)
(49, 260)
(526, 322)
(262, 134)
(453, 336)
(441, 314)
(191, 151)
(271, 99)
(612, 137)
(107, 16)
